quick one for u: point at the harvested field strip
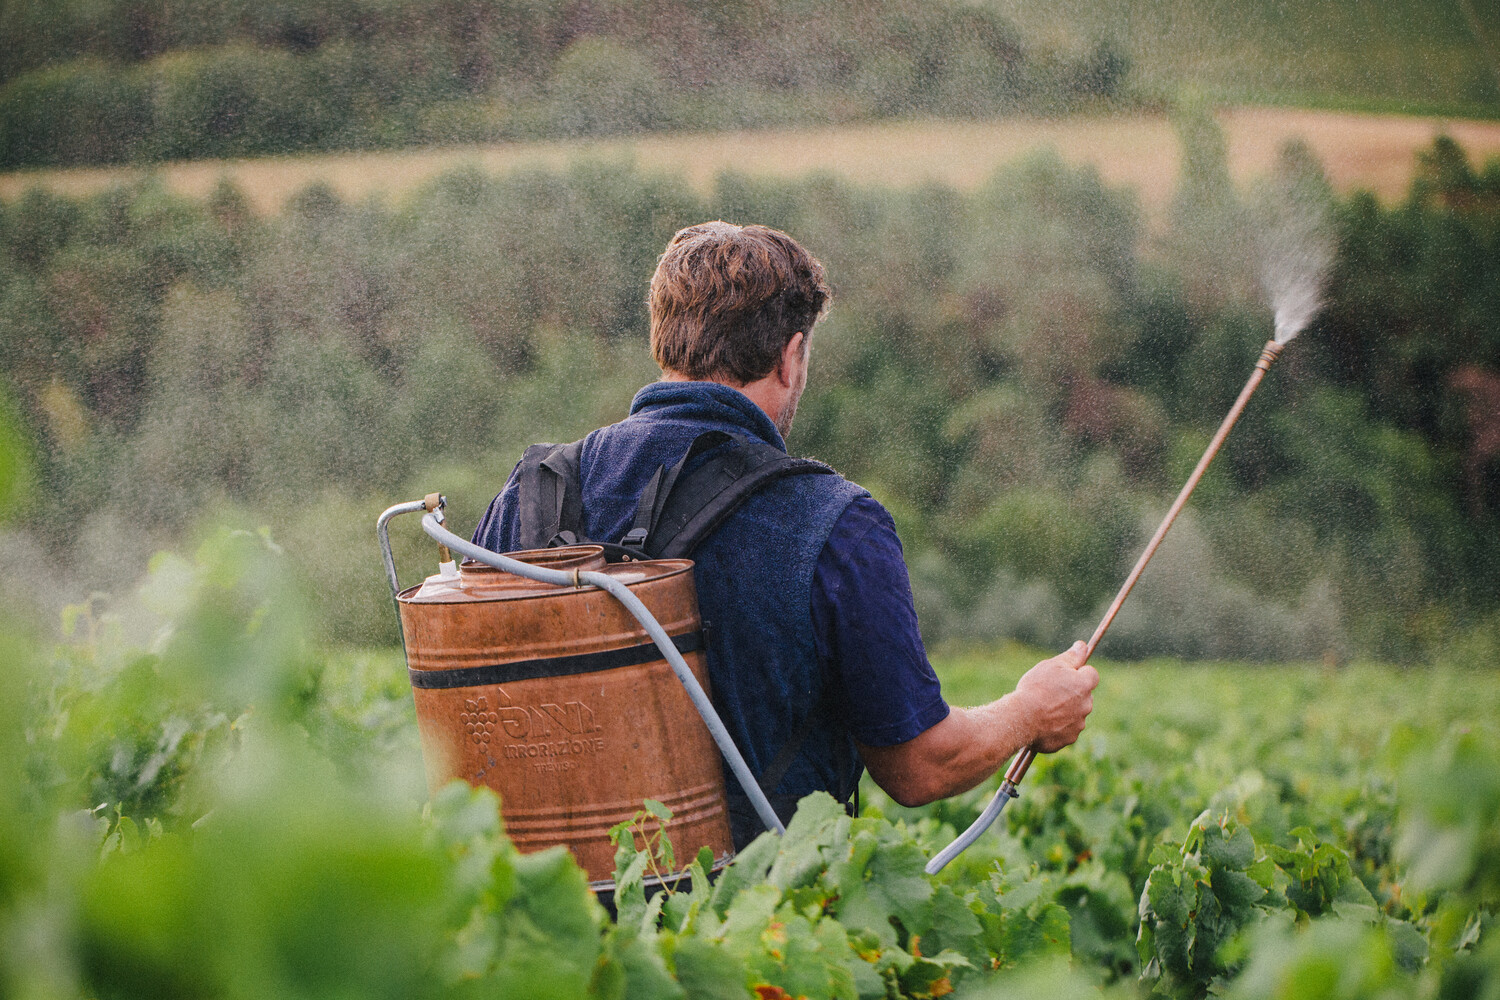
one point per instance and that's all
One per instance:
(1374, 152)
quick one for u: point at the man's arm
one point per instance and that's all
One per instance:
(1046, 711)
(916, 747)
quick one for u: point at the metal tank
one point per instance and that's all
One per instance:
(558, 699)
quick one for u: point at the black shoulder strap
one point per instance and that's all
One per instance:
(678, 510)
(550, 495)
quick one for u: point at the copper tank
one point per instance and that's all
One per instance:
(557, 699)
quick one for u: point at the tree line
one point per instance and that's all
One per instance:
(1021, 374)
(142, 80)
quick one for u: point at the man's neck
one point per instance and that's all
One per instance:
(765, 393)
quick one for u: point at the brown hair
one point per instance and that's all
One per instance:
(725, 300)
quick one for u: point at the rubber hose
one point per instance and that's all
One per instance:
(964, 840)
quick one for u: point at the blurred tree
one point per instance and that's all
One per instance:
(1210, 243)
(601, 86)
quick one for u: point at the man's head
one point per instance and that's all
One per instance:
(727, 299)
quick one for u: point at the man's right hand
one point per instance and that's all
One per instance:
(1056, 697)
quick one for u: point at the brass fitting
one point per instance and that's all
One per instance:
(435, 502)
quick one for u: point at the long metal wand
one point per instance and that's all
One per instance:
(1022, 761)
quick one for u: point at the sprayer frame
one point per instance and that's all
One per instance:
(432, 524)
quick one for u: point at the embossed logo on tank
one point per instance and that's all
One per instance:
(545, 719)
(550, 731)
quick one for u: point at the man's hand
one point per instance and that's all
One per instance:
(1055, 697)
(1046, 712)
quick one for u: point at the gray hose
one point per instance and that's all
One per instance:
(701, 702)
(966, 839)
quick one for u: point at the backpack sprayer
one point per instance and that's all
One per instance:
(529, 680)
(551, 682)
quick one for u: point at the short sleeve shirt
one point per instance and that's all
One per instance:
(865, 629)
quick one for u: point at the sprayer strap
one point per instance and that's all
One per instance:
(550, 495)
(679, 509)
(555, 666)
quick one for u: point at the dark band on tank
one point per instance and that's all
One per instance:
(555, 666)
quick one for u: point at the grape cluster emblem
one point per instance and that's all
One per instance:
(479, 722)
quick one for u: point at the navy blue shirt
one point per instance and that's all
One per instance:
(865, 629)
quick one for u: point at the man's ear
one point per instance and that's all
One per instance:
(793, 353)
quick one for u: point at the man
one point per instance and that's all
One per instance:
(815, 660)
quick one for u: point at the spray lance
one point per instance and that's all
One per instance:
(1021, 763)
(1297, 257)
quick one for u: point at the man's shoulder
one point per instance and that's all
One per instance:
(865, 514)
(799, 509)
(825, 484)
(846, 491)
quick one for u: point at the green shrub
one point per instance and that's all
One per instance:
(600, 87)
(84, 111)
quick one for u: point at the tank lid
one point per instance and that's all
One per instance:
(570, 557)
(478, 582)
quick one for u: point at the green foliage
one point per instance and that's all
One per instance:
(519, 923)
(1203, 899)
(1196, 899)
(17, 471)
(88, 81)
(1334, 958)
(1449, 838)
(602, 86)
(838, 907)
(654, 857)
(207, 806)
(1402, 56)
